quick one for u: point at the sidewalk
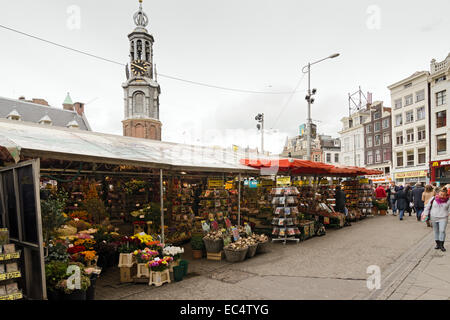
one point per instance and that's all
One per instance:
(430, 279)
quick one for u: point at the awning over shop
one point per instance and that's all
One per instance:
(34, 140)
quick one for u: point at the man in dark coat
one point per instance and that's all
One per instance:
(391, 196)
(417, 200)
(408, 191)
(340, 200)
(402, 201)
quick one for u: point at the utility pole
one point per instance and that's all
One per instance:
(260, 126)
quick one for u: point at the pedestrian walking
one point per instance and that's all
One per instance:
(391, 192)
(427, 195)
(438, 209)
(409, 205)
(417, 200)
(380, 193)
(402, 201)
(340, 198)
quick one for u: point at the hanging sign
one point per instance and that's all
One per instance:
(363, 181)
(253, 184)
(283, 181)
(229, 185)
(235, 232)
(266, 183)
(326, 220)
(215, 183)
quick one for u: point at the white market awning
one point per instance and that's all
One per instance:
(29, 139)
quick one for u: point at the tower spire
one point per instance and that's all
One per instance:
(140, 18)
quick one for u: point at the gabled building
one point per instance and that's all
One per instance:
(71, 115)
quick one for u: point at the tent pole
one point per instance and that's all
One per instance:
(239, 200)
(161, 192)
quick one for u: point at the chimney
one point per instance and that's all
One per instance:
(21, 98)
(40, 101)
(79, 108)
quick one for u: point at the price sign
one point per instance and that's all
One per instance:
(324, 181)
(283, 181)
(363, 181)
(215, 183)
(9, 256)
(326, 220)
(229, 185)
(253, 184)
(14, 296)
(266, 183)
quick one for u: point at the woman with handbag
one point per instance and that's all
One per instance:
(438, 210)
(427, 195)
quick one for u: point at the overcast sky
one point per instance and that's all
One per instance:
(258, 45)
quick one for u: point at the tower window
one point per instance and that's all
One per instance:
(139, 49)
(138, 100)
(147, 51)
(132, 50)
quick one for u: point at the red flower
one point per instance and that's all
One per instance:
(76, 249)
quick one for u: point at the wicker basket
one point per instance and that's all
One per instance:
(235, 256)
(262, 247)
(213, 246)
(252, 251)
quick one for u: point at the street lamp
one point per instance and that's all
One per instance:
(260, 126)
(310, 99)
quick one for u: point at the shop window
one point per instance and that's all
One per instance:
(409, 135)
(420, 95)
(441, 142)
(421, 113)
(421, 133)
(409, 116)
(410, 158)
(421, 155)
(399, 138)
(399, 159)
(440, 98)
(409, 100)
(441, 119)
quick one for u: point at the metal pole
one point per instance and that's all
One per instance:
(161, 192)
(262, 134)
(308, 125)
(239, 200)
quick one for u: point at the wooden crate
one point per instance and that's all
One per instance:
(127, 274)
(159, 278)
(126, 259)
(215, 256)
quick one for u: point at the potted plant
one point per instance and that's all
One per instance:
(93, 274)
(159, 271)
(55, 271)
(143, 257)
(74, 293)
(382, 207)
(197, 247)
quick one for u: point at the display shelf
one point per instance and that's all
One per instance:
(358, 198)
(215, 205)
(14, 296)
(284, 201)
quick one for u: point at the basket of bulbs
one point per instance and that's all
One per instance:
(236, 251)
(262, 241)
(213, 241)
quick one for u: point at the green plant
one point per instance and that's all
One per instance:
(55, 271)
(85, 282)
(52, 214)
(197, 243)
(57, 252)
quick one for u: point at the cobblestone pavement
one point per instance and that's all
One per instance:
(329, 267)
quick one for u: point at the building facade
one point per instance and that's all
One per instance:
(352, 138)
(410, 128)
(439, 81)
(377, 138)
(331, 149)
(71, 115)
(141, 90)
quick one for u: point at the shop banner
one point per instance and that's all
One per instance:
(283, 181)
(266, 183)
(215, 183)
(411, 174)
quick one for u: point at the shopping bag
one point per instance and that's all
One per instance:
(424, 217)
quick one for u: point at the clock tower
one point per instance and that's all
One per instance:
(141, 90)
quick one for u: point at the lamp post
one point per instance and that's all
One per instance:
(260, 126)
(310, 99)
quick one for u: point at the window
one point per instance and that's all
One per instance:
(421, 133)
(317, 157)
(386, 123)
(400, 159)
(398, 103)
(386, 138)
(441, 119)
(409, 135)
(377, 115)
(408, 85)
(410, 157)
(328, 157)
(357, 142)
(358, 160)
(377, 139)
(378, 156)
(420, 95)
(377, 126)
(369, 157)
(409, 100)
(336, 157)
(399, 138)
(421, 155)
(386, 155)
(440, 98)
(398, 120)
(347, 160)
(138, 106)
(369, 128)
(443, 78)
(441, 141)
(369, 142)
(347, 144)
(420, 113)
(409, 116)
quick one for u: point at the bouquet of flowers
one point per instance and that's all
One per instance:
(129, 245)
(144, 256)
(174, 252)
(159, 264)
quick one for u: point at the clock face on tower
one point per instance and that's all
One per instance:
(139, 67)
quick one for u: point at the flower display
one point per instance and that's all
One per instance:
(144, 238)
(76, 249)
(174, 252)
(89, 255)
(87, 243)
(158, 264)
(143, 256)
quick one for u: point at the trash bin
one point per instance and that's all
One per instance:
(178, 273)
(184, 264)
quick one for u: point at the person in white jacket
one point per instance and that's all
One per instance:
(438, 209)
